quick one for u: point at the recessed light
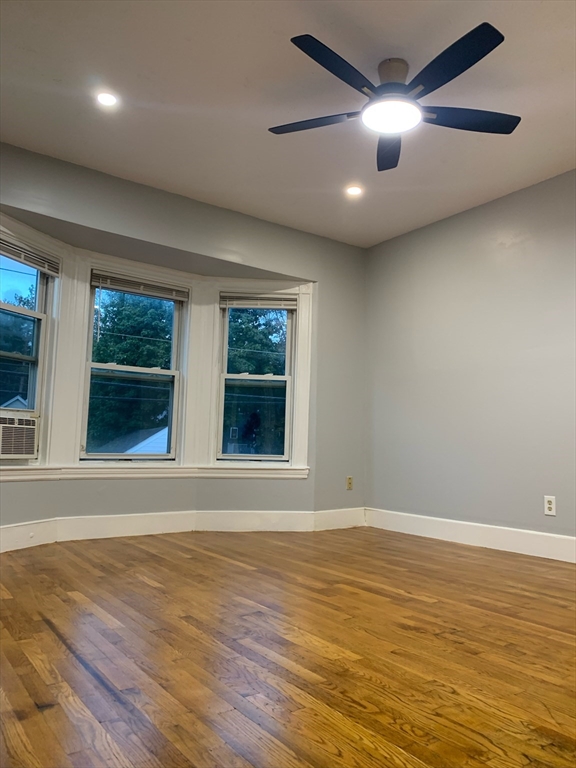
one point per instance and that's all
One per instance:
(354, 190)
(107, 99)
(391, 115)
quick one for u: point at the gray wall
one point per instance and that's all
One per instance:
(461, 333)
(79, 196)
(471, 364)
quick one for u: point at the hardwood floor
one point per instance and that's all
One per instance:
(352, 648)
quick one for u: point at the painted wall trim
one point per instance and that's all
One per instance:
(330, 519)
(30, 534)
(17, 474)
(536, 543)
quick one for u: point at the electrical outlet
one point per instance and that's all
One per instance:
(349, 483)
(550, 505)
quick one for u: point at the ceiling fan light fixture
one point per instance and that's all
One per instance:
(391, 115)
(106, 99)
(390, 110)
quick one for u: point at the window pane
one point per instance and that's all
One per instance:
(254, 417)
(132, 330)
(17, 379)
(257, 341)
(19, 336)
(129, 413)
(18, 283)
(18, 333)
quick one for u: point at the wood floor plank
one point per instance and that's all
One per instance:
(348, 649)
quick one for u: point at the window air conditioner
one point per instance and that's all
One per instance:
(18, 438)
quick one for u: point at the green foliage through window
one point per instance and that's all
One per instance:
(257, 341)
(127, 408)
(255, 409)
(28, 301)
(132, 330)
(18, 359)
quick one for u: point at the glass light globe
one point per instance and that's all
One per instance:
(107, 99)
(391, 115)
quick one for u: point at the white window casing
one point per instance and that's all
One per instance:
(111, 282)
(236, 301)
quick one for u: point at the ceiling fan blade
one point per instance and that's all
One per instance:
(315, 122)
(471, 119)
(459, 57)
(388, 153)
(333, 63)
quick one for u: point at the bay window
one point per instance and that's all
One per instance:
(127, 369)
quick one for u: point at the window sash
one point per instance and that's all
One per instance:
(176, 322)
(22, 311)
(290, 320)
(18, 356)
(255, 457)
(256, 376)
(32, 388)
(41, 297)
(171, 373)
(37, 360)
(154, 374)
(247, 302)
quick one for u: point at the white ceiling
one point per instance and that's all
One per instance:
(201, 83)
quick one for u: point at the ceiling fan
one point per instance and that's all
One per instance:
(393, 106)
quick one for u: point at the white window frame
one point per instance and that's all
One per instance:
(207, 338)
(29, 250)
(40, 361)
(259, 303)
(172, 373)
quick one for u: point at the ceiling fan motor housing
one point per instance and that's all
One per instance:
(393, 74)
(393, 71)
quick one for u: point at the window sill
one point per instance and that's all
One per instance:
(150, 471)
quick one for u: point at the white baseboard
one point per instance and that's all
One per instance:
(536, 543)
(330, 519)
(254, 521)
(109, 526)
(21, 535)
(279, 521)
(30, 534)
(549, 545)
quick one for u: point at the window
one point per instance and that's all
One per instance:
(256, 380)
(133, 381)
(22, 320)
